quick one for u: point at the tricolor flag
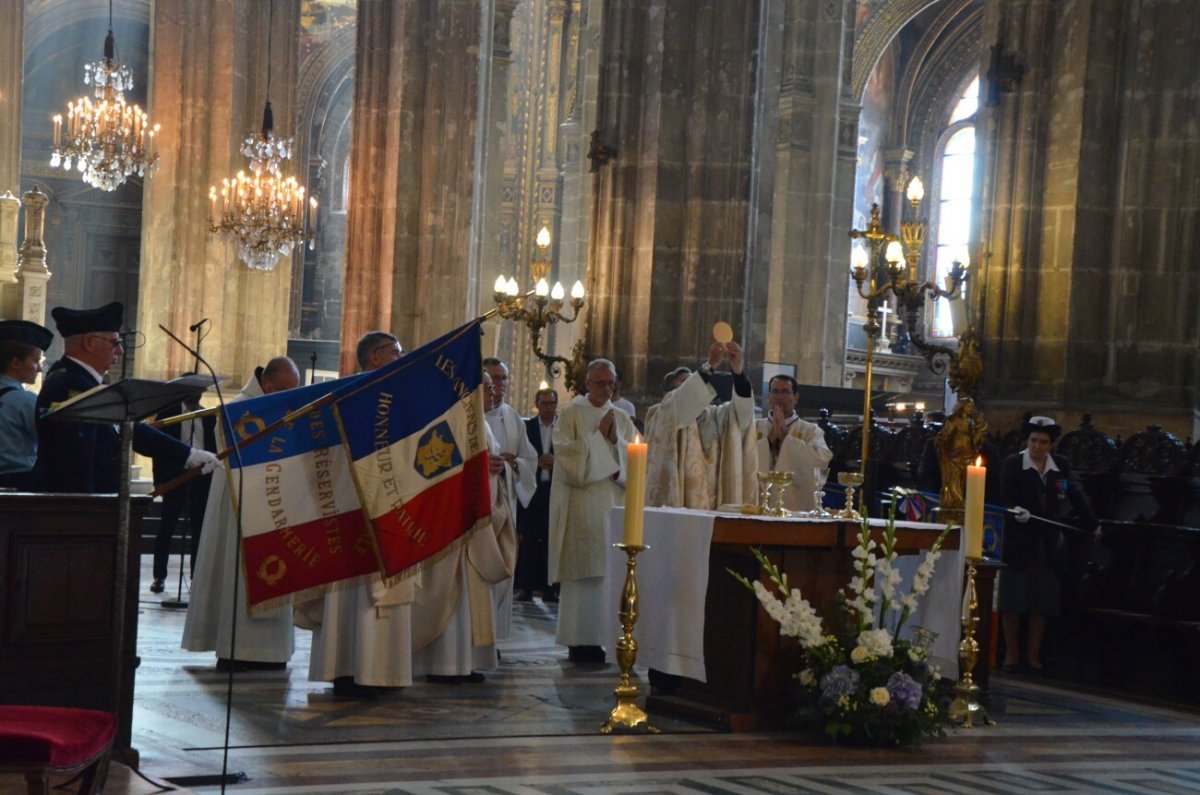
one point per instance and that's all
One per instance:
(416, 435)
(302, 525)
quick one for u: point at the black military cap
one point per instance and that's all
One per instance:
(83, 321)
(27, 332)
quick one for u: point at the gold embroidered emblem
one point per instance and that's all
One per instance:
(249, 425)
(272, 569)
(437, 451)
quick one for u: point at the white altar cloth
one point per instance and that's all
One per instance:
(672, 580)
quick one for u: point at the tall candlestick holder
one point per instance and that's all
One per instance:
(966, 709)
(627, 716)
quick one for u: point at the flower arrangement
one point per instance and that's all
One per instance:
(862, 682)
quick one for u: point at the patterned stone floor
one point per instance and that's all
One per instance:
(531, 730)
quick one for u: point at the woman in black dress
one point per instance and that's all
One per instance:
(1036, 485)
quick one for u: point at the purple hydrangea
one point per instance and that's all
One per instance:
(904, 690)
(841, 681)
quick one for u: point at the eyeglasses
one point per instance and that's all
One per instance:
(393, 346)
(116, 342)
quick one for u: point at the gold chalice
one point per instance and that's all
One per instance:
(771, 488)
(851, 480)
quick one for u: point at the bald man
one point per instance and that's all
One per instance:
(264, 641)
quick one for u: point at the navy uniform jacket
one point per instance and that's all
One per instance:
(165, 471)
(84, 457)
(1060, 498)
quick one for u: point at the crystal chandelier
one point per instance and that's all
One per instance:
(262, 213)
(107, 140)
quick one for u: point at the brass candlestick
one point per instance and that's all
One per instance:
(966, 706)
(627, 716)
(851, 480)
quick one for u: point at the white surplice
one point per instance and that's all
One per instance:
(361, 630)
(508, 429)
(209, 625)
(700, 455)
(583, 490)
(804, 453)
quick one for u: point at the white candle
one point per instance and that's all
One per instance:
(976, 480)
(635, 492)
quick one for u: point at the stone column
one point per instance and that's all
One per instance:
(806, 152)
(670, 211)
(500, 338)
(1086, 290)
(208, 75)
(33, 274)
(579, 103)
(412, 170)
(896, 178)
(12, 77)
(10, 209)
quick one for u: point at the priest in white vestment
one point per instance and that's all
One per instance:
(590, 442)
(362, 635)
(787, 443)
(701, 455)
(453, 615)
(261, 641)
(518, 478)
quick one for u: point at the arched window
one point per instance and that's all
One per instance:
(955, 199)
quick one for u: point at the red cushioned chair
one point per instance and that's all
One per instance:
(40, 741)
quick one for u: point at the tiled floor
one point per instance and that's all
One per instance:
(531, 729)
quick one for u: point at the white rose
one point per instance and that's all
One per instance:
(859, 655)
(880, 696)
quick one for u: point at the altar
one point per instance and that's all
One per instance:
(697, 622)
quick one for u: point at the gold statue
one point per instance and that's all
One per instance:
(957, 444)
(966, 369)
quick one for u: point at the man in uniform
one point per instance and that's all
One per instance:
(83, 457)
(21, 347)
(590, 444)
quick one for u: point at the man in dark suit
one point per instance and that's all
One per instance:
(82, 457)
(533, 522)
(192, 495)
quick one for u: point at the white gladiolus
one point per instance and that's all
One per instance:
(795, 615)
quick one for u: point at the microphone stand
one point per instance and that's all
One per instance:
(224, 777)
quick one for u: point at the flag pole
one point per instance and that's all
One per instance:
(291, 417)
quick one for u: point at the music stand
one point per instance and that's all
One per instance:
(124, 402)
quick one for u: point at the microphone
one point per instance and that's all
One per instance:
(196, 326)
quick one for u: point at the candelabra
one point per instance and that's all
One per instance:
(542, 308)
(107, 140)
(897, 276)
(263, 213)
